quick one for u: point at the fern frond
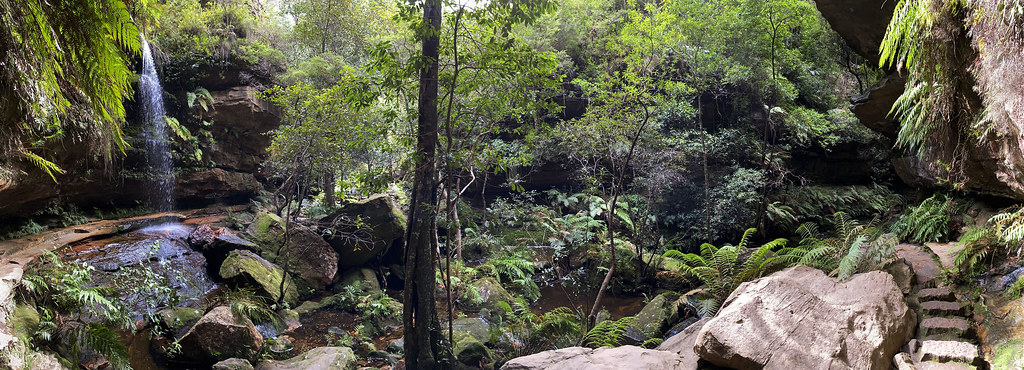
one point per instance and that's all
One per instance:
(41, 163)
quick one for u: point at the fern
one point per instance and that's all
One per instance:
(608, 333)
(1014, 290)
(721, 270)
(854, 248)
(926, 222)
(49, 167)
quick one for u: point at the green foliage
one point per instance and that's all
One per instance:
(853, 249)
(245, 302)
(532, 333)
(818, 204)
(608, 333)
(145, 290)
(73, 312)
(515, 266)
(64, 71)
(1014, 290)
(721, 270)
(1010, 227)
(975, 245)
(926, 222)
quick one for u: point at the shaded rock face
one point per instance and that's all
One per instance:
(800, 318)
(380, 230)
(216, 185)
(310, 258)
(861, 23)
(240, 124)
(218, 336)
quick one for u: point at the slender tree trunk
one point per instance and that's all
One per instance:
(422, 332)
(707, 182)
(328, 185)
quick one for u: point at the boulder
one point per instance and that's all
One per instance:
(244, 267)
(175, 318)
(488, 292)
(470, 351)
(365, 278)
(364, 231)
(658, 315)
(325, 358)
(203, 235)
(682, 344)
(233, 364)
(217, 250)
(476, 327)
(220, 335)
(266, 229)
(216, 184)
(310, 258)
(604, 358)
(800, 318)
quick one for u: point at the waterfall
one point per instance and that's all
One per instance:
(158, 148)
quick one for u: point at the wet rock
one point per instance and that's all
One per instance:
(233, 364)
(397, 345)
(203, 235)
(220, 335)
(318, 358)
(217, 250)
(370, 227)
(246, 268)
(682, 344)
(658, 315)
(470, 351)
(176, 318)
(476, 327)
(604, 358)
(800, 318)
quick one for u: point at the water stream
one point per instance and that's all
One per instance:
(158, 149)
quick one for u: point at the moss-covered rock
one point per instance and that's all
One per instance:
(217, 250)
(246, 268)
(363, 278)
(658, 315)
(266, 229)
(470, 351)
(477, 327)
(175, 318)
(25, 320)
(371, 227)
(484, 293)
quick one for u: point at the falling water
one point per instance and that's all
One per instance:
(158, 150)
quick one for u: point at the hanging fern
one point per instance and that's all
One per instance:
(49, 167)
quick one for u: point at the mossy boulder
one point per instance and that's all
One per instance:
(364, 231)
(25, 319)
(310, 258)
(485, 293)
(658, 315)
(363, 278)
(220, 335)
(175, 318)
(218, 249)
(266, 229)
(326, 358)
(243, 267)
(470, 351)
(477, 327)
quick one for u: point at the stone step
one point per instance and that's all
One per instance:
(949, 351)
(942, 308)
(931, 365)
(943, 325)
(936, 294)
(938, 326)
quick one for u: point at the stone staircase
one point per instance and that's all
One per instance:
(945, 338)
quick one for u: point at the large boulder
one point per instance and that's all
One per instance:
(310, 258)
(470, 351)
(220, 335)
(364, 231)
(484, 293)
(604, 358)
(682, 344)
(326, 358)
(218, 249)
(800, 318)
(244, 267)
(363, 278)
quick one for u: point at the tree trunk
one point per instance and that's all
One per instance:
(422, 331)
(329, 200)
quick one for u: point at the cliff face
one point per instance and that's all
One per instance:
(992, 164)
(240, 124)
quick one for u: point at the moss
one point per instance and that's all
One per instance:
(1009, 355)
(246, 267)
(470, 351)
(25, 319)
